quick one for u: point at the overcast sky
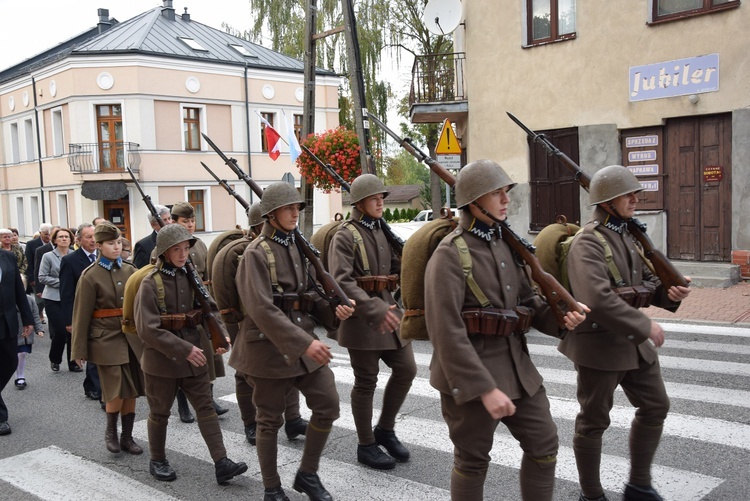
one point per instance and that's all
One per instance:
(28, 27)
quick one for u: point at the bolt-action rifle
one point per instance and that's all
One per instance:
(217, 333)
(396, 242)
(333, 292)
(223, 183)
(557, 296)
(665, 270)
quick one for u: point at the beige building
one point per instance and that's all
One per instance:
(660, 86)
(138, 94)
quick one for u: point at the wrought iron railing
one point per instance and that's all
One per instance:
(87, 158)
(437, 78)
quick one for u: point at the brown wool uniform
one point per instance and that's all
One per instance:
(225, 288)
(360, 334)
(101, 340)
(464, 367)
(165, 364)
(611, 347)
(199, 255)
(270, 350)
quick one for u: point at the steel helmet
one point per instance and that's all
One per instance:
(278, 195)
(611, 182)
(479, 178)
(172, 234)
(365, 186)
(254, 216)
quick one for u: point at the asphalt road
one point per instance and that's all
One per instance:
(56, 451)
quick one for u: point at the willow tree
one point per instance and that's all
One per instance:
(386, 29)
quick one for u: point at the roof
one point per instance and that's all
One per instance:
(397, 194)
(153, 33)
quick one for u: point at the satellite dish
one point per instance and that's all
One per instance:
(441, 17)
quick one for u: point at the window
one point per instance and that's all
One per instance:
(242, 50)
(34, 212)
(298, 127)
(667, 10)
(191, 125)
(62, 210)
(550, 20)
(15, 156)
(21, 217)
(269, 117)
(192, 44)
(109, 124)
(196, 199)
(28, 128)
(57, 132)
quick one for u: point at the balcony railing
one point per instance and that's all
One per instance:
(437, 78)
(91, 158)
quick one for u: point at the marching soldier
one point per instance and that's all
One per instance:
(184, 214)
(481, 305)
(611, 347)
(276, 346)
(167, 320)
(224, 271)
(364, 264)
(97, 336)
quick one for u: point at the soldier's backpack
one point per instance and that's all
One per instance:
(218, 244)
(223, 272)
(131, 289)
(321, 239)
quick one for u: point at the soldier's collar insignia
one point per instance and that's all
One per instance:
(369, 223)
(483, 230)
(169, 269)
(107, 264)
(615, 224)
(282, 238)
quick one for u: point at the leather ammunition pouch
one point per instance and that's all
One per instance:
(636, 296)
(376, 283)
(497, 322)
(178, 321)
(288, 302)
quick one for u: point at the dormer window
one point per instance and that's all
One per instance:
(242, 50)
(192, 44)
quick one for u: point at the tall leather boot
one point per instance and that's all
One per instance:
(465, 487)
(588, 453)
(537, 478)
(110, 435)
(186, 416)
(217, 407)
(126, 438)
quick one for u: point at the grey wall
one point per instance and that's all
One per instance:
(741, 179)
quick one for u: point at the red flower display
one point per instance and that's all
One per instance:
(339, 148)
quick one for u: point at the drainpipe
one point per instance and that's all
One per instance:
(39, 149)
(247, 131)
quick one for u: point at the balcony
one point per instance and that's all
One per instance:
(437, 88)
(104, 158)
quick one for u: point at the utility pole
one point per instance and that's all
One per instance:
(357, 83)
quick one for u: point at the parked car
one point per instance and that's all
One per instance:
(426, 215)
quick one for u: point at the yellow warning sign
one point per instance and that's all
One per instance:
(448, 144)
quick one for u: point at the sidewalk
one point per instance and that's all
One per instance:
(730, 306)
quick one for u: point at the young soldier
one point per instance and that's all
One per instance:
(224, 271)
(363, 263)
(184, 214)
(276, 347)
(481, 305)
(97, 336)
(611, 347)
(167, 319)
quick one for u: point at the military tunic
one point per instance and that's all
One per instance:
(101, 340)
(270, 349)
(360, 333)
(164, 359)
(464, 367)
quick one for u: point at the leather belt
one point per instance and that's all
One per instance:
(107, 312)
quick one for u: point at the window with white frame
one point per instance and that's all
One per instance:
(21, 217)
(193, 118)
(28, 129)
(270, 118)
(34, 203)
(197, 198)
(15, 156)
(62, 210)
(57, 132)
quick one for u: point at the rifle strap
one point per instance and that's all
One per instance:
(465, 256)
(360, 245)
(271, 266)
(646, 260)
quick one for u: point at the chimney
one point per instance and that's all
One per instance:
(167, 10)
(104, 22)
(186, 16)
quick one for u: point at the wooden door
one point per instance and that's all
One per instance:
(699, 167)
(118, 213)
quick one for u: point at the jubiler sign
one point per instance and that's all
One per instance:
(693, 75)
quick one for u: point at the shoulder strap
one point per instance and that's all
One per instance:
(360, 244)
(160, 292)
(619, 282)
(271, 266)
(465, 256)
